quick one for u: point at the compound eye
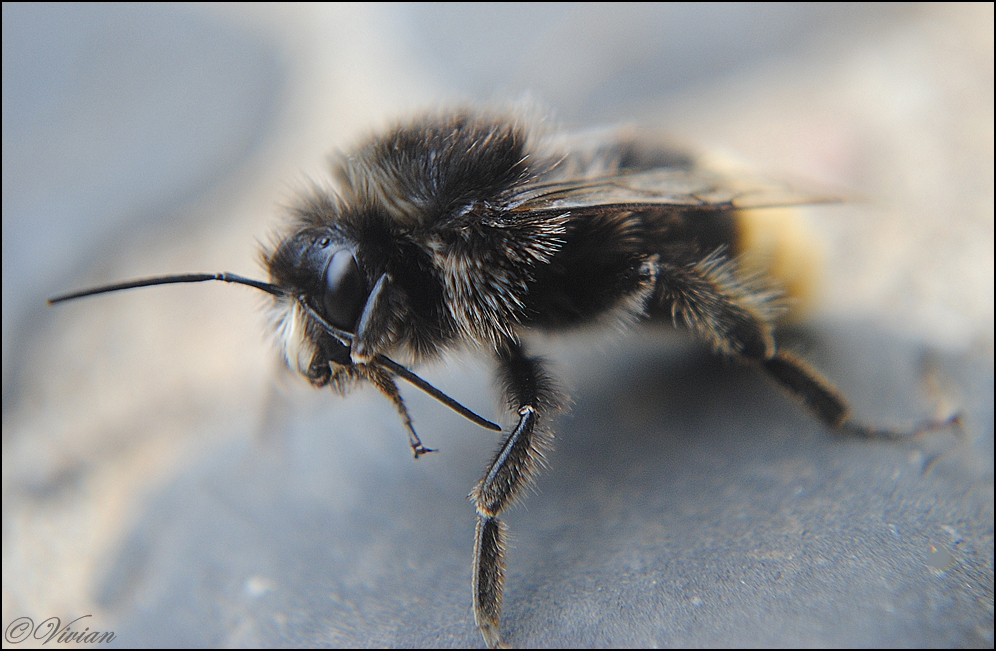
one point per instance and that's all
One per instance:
(345, 293)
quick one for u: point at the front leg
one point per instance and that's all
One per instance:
(374, 324)
(386, 385)
(531, 394)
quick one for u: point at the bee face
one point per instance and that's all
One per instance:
(318, 268)
(320, 264)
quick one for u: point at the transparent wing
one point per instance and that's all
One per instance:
(631, 190)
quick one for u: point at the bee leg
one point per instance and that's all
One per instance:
(736, 318)
(815, 391)
(530, 392)
(824, 400)
(386, 385)
(711, 299)
(374, 321)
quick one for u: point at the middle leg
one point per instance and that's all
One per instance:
(530, 392)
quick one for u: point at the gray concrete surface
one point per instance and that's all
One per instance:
(164, 475)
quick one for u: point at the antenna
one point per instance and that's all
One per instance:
(343, 336)
(169, 280)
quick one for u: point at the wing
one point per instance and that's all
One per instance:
(666, 186)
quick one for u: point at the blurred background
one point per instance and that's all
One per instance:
(164, 474)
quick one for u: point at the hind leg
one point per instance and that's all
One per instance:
(737, 317)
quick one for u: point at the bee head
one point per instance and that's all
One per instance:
(316, 265)
(321, 264)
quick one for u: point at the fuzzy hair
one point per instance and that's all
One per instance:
(289, 326)
(731, 311)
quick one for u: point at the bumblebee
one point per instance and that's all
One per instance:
(470, 227)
